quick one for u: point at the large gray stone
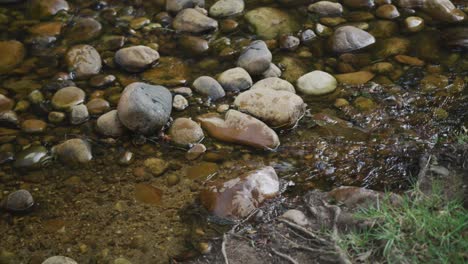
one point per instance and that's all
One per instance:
(235, 79)
(83, 61)
(208, 86)
(145, 108)
(225, 8)
(193, 21)
(349, 38)
(136, 58)
(177, 5)
(276, 108)
(255, 58)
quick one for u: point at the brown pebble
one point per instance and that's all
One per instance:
(32, 126)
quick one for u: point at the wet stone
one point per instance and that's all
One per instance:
(273, 71)
(238, 197)
(185, 131)
(359, 3)
(170, 72)
(32, 158)
(387, 12)
(148, 194)
(316, 83)
(100, 81)
(349, 38)
(136, 58)
(156, 166)
(18, 201)
(109, 124)
(235, 79)
(180, 103)
(225, 8)
(79, 114)
(12, 54)
(83, 61)
(208, 86)
(195, 152)
(274, 83)
(290, 43)
(73, 151)
(409, 60)
(194, 45)
(326, 8)
(237, 127)
(46, 8)
(56, 117)
(68, 97)
(47, 29)
(177, 5)
(193, 21)
(270, 23)
(144, 108)
(97, 106)
(414, 23)
(286, 110)
(201, 170)
(33, 126)
(355, 78)
(82, 30)
(6, 103)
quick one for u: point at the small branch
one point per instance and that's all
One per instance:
(284, 256)
(305, 231)
(223, 249)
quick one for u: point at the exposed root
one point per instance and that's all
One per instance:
(284, 256)
(223, 249)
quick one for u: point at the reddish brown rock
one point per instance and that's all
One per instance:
(237, 127)
(238, 197)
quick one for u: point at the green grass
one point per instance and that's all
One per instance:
(421, 230)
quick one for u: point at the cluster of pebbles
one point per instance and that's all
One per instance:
(114, 71)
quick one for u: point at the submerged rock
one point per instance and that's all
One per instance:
(237, 127)
(73, 151)
(276, 108)
(238, 197)
(66, 98)
(443, 10)
(235, 79)
(355, 78)
(32, 158)
(274, 83)
(136, 58)
(59, 260)
(316, 83)
(208, 86)
(270, 23)
(225, 8)
(193, 21)
(109, 124)
(255, 58)
(83, 61)
(326, 8)
(18, 201)
(12, 54)
(185, 131)
(46, 8)
(145, 108)
(177, 5)
(350, 38)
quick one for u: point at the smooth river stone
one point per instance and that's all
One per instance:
(136, 58)
(255, 58)
(59, 260)
(350, 38)
(68, 97)
(73, 151)
(145, 108)
(238, 197)
(316, 83)
(193, 21)
(170, 72)
(109, 124)
(355, 78)
(12, 53)
(148, 194)
(274, 83)
(185, 131)
(225, 8)
(31, 158)
(270, 23)
(237, 127)
(275, 108)
(46, 8)
(83, 60)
